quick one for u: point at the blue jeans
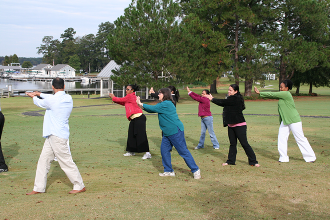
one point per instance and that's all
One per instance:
(207, 123)
(179, 142)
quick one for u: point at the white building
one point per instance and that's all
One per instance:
(118, 91)
(62, 70)
(42, 69)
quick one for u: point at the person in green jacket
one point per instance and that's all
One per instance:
(289, 121)
(173, 133)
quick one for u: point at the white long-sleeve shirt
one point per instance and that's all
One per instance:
(58, 109)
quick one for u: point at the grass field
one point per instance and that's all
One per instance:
(121, 187)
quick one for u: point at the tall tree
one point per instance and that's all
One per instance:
(14, 59)
(300, 40)
(74, 62)
(144, 43)
(86, 51)
(101, 42)
(50, 50)
(68, 45)
(206, 43)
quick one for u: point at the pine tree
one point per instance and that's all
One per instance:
(145, 42)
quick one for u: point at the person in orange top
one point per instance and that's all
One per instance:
(137, 141)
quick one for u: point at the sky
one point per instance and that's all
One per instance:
(24, 23)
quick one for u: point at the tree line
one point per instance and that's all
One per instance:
(88, 53)
(166, 42)
(25, 62)
(162, 42)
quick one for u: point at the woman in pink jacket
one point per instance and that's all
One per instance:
(206, 118)
(137, 141)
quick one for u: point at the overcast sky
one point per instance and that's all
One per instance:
(23, 23)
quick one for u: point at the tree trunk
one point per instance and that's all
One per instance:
(310, 88)
(248, 86)
(282, 72)
(298, 89)
(213, 87)
(236, 75)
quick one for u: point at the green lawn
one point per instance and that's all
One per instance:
(121, 187)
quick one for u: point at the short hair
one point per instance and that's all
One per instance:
(58, 83)
(206, 91)
(134, 87)
(167, 95)
(288, 83)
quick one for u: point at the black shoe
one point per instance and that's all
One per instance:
(3, 170)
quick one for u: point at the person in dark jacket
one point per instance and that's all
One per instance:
(234, 119)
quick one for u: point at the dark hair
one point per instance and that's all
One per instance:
(58, 83)
(134, 87)
(236, 88)
(206, 91)
(167, 95)
(288, 83)
(175, 91)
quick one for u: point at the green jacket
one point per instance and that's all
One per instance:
(169, 121)
(286, 108)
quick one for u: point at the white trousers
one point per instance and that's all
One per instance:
(303, 144)
(56, 147)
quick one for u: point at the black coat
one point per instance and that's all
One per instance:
(233, 109)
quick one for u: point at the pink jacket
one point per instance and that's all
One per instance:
(204, 104)
(129, 101)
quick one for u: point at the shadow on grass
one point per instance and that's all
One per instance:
(10, 152)
(244, 202)
(57, 176)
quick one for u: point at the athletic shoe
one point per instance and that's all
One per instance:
(3, 170)
(129, 154)
(197, 174)
(197, 148)
(146, 156)
(167, 174)
(216, 148)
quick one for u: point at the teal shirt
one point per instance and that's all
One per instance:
(169, 121)
(286, 107)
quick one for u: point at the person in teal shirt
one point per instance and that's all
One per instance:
(289, 121)
(173, 133)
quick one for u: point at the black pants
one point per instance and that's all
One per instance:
(137, 140)
(2, 159)
(239, 133)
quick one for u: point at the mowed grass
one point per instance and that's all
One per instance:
(121, 187)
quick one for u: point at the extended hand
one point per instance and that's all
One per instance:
(111, 95)
(138, 100)
(256, 90)
(151, 90)
(209, 96)
(188, 89)
(31, 94)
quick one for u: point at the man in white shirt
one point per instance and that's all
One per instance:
(56, 131)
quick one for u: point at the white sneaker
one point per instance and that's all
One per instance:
(167, 174)
(197, 148)
(129, 154)
(197, 174)
(146, 156)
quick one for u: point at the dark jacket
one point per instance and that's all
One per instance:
(233, 109)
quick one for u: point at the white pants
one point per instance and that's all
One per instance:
(303, 144)
(55, 146)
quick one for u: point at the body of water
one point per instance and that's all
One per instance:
(35, 85)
